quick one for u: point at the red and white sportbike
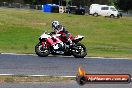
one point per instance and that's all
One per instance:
(52, 44)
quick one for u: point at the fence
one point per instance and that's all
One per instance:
(19, 5)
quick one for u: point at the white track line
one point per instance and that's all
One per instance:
(6, 74)
(65, 56)
(18, 54)
(66, 76)
(36, 75)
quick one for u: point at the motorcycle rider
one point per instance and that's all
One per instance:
(59, 29)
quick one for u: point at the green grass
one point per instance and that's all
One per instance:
(20, 29)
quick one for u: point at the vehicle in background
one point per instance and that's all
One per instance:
(104, 10)
(75, 10)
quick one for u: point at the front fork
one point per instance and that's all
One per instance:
(43, 44)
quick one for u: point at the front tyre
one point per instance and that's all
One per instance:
(112, 16)
(79, 51)
(41, 51)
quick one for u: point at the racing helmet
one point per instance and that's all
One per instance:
(55, 24)
(59, 28)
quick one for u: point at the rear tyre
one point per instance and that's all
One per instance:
(79, 51)
(112, 16)
(41, 51)
(95, 14)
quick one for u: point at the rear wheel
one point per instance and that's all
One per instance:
(112, 16)
(41, 51)
(79, 51)
(95, 14)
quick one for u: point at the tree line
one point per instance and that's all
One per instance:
(120, 4)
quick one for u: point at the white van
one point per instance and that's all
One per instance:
(103, 10)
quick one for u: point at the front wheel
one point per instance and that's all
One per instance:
(112, 16)
(79, 51)
(41, 51)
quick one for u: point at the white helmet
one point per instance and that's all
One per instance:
(55, 24)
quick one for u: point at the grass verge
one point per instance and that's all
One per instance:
(20, 29)
(23, 79)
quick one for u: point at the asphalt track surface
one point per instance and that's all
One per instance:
(71, 84)
(61, 66)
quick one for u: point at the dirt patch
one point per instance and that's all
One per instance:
(22, 78)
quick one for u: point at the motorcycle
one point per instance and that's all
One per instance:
(52, 44)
